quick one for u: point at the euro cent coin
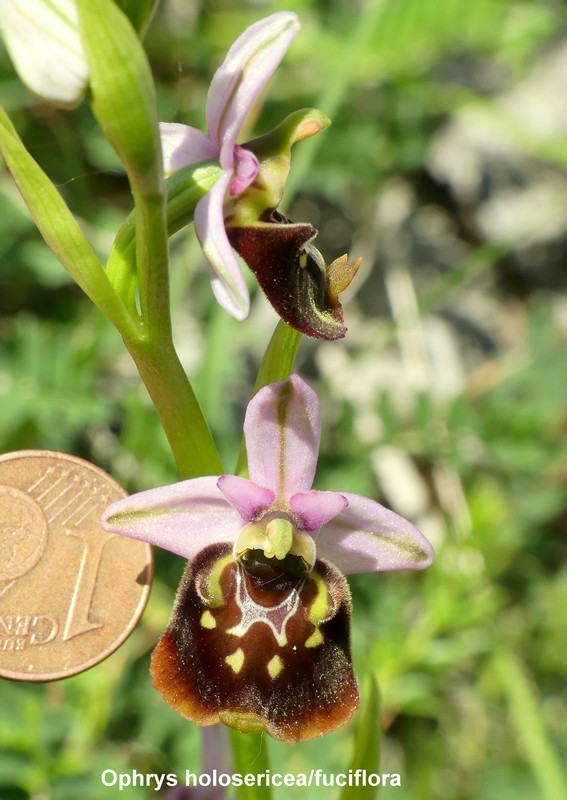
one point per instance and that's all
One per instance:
(70, 593)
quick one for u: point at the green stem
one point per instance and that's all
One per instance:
(152, 256)
(250, 756)
(276, 365)
(139, 258)
(279, 358)
(184, 190)
(178, 409)
(157, 361)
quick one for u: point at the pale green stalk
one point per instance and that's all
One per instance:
(178, 409)
(250, 756)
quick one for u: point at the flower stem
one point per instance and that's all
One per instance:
(152, 256)
(184, 189)
(178, 409)
(250, 755)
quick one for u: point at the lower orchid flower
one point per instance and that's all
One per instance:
(260, 634)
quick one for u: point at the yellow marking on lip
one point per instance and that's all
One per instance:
(315, 639)
(235, 660)
(215, 596)
(275, 666)
(320, 607)
(208, 621)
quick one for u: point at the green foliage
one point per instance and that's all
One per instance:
(470, 656)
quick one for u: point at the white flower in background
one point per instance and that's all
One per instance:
(42, 39)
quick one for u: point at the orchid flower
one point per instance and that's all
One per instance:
(248, 66)
(260, 634)
(236, 221)
(42, 38)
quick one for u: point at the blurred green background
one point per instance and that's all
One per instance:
(445, 169)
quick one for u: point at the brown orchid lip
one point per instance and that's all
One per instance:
(292, 273)
(256, 654)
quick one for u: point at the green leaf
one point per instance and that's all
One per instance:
(366, 754)
(526, 717)
(60, 229)
(123, 92)
(250, 755)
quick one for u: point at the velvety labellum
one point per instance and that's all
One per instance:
(259, 644)
(292, 274)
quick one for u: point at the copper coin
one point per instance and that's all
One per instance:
(70, 593)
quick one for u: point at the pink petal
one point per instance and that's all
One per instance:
(366, 537)
(282, 429)
(246, 497)
(182, 145)
(227, 281)
(246, 167)
(317, 508)
(183, 518)
(249, 64)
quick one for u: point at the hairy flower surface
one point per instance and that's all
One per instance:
(236, 222)
(260, 633)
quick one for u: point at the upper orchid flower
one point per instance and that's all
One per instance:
(236, 220)
(259, 638)
(248, 66)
